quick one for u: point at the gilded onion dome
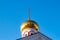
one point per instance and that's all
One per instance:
(29, 24)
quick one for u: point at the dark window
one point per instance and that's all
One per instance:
(31, 33)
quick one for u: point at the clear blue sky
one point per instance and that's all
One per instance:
(45, 12)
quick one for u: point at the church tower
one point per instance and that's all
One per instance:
(29, 30)
(29, 27)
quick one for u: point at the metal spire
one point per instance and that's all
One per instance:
(29, 14)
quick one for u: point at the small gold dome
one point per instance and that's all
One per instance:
(29, 24)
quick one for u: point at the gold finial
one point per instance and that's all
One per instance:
(29, 14)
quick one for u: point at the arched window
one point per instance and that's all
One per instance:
(31, 33)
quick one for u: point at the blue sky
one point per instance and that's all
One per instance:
(45, 12)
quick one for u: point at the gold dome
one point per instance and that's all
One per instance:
(29, 24)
